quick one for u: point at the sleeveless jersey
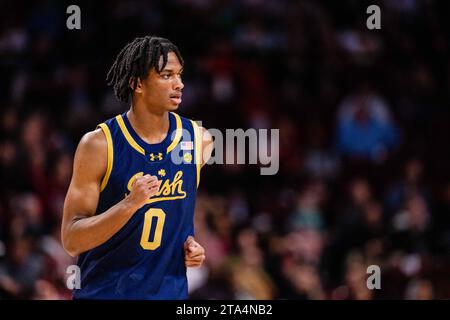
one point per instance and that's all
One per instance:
(145, 258)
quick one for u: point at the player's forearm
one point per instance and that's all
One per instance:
(83, 234)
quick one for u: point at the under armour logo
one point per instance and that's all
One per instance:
(153, 157)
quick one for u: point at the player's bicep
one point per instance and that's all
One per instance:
(88, 169)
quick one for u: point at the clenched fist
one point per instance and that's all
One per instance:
(194, 254)
(142, 189)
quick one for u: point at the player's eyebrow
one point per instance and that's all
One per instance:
(171, 70)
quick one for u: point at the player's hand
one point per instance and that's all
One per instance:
(194, 253)
(142, 189)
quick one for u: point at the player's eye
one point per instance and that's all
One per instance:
(165, 76)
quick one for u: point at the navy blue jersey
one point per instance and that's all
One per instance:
(145, 259)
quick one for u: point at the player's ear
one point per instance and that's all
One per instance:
(136, 86)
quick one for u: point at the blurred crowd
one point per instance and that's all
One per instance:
(364, 124)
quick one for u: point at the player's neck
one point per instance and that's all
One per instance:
(151, 127)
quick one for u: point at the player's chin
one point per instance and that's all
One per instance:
(172, 106)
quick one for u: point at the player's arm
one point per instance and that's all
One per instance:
(81, 229)
(207, 145)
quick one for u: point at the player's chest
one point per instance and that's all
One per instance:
(177, 180)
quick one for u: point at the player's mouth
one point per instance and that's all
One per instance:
(175, 98)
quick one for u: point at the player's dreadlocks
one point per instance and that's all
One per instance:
(135, 61)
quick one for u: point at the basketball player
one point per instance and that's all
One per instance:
(128, 213)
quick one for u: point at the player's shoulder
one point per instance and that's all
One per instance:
(188, 121)
(184, 121)
(198, 124)
(98, 138)
(91, 156)
(93, 141)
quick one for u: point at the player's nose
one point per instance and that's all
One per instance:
(178, 85)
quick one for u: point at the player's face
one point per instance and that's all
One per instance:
(162, 91)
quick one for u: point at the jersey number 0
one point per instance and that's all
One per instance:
(148, 221)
